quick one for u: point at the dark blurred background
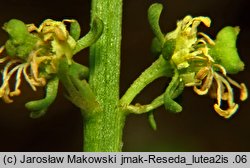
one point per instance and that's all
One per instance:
(196, 128)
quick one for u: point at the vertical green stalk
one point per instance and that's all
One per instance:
(103, 131)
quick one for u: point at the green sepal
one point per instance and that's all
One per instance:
(92, 36)
(78, 71)
(154, 12)
(174, 89)
(168, 49)
(156, 47)
(151, 120)
(75, 30)
(225, 52)
(39, 107)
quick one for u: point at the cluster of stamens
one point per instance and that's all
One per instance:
(218, 85)
(213, 79)
(17, 67)
(29, 67)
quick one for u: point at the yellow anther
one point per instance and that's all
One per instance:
(202, 73)
(243, 92)
(226, 113)
(1, 93)
(31, 27)
(15, 93)
(205, 20)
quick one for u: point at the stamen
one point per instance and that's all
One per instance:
(209, 79)
(1, 49)
(226, 113)
(202, 73)
(219, 90)
(34, 67)
(243, 92)
(200, 91)
(195, 24)
(196, 53)
(196, 57)
(8, 65)
(205, 20)
(186, 22)
(202, 41)
(242, 87)
(205, 52)
(2, 92)
(229, 90)
(17, 92)
(207, 38)
(26, 76)
(6, 80)
(31, 27)
(2, 60)
(222, 69)
(5, 97)
(206, 84)
(196, 83)
(233, 82)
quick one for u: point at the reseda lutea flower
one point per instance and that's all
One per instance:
(203, 65)
(33, 52)
(198, 61)
(44, 55)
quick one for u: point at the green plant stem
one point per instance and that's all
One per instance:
(158, 69)
(103, 131)
(140, 109)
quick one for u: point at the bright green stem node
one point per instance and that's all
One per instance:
(103, 131)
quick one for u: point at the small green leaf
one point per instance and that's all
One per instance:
(154, 13)
(168, 49)
(92, 36)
